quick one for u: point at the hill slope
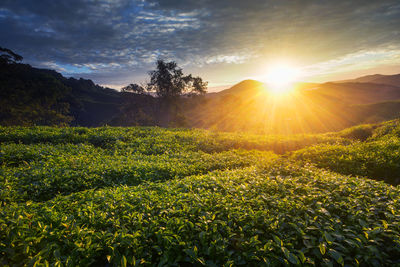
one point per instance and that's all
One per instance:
(393, 80)
(40, 96)
(31, 96)
(250, 106)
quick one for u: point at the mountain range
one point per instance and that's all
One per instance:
(311, 107)
(31, 96)
(377, 79)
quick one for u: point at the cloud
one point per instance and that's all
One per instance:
(360, 60)
(112, 41)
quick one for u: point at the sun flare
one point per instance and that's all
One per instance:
(280, 77)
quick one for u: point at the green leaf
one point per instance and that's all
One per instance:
(337, 256)
(302, 257)
(201, 260)
(322, 248)
(278, 241)
(123, 261)
(290, 256)
(57, 254)
(385, 224)
(328, 238)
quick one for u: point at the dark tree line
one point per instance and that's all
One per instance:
(31, 96)
(9, 57)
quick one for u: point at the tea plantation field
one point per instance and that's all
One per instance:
(178, 197)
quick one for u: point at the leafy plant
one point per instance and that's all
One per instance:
(155, 197)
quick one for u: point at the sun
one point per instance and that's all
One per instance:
(281, 77)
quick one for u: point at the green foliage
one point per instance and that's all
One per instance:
(28, 97)
(168, 80)
(390, 128)
(40, 172)
(155, 197)
(8, 57)
(239, 217)
(360, 132)
(378, 157)
(154, 140)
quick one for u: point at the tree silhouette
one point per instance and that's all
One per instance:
(168, 81)
(198, 86)
(9, 57)
(134, 88)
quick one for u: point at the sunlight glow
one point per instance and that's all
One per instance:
(281, 77)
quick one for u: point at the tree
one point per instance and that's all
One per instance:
(168, 81)
(134, 88)
(199, 87)
(9, 57)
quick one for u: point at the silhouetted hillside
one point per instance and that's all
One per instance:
(358, 93)
(244, 87)
(250, 106)
(95, 105)
(31, 96)
(90, 104)
(40, 96)
(378, 79)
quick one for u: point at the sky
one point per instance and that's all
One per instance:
(116, 42)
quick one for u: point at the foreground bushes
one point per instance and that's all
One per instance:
(243, 217)
(376, 158)
(153, 140)
(40, 172)
(155, 197)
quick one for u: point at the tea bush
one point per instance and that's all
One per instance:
(378, 157)
(153, 140)
(155, 197)
(252, 216)
(360, 132)
(40, 172)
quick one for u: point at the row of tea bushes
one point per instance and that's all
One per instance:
(248, 217)
(40, 172)
(153, 140)
(377, 159)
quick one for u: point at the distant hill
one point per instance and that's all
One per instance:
(377, 79)
(350, 92)
(246, 86)
(31, 96)
(358, 93)
(91, 104)
(249, 106)
(45, 97)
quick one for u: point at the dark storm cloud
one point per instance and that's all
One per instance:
(111, 38)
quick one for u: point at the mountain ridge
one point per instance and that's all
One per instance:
(393, 79)
(245, 106)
